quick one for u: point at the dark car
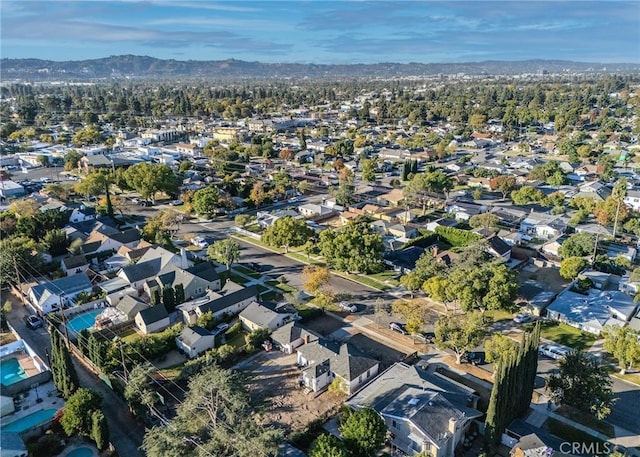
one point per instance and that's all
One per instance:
(475, 358)
(33, 321)
(398, 327)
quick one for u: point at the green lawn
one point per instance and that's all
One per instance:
(368, 281)
(285, 287)
(587, 420)
(304, 259)
(633, 378)
(568, 433)
(389, 276)
(566, 335)
(239, 279)
(247, 271)
(499, 315)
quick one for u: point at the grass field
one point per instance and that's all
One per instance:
(568, 433)
(566, 335)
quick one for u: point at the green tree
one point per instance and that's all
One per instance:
(287, 232)
(486, 221)
(356, 247)
(460, 333)
(78, 409)
(242, 220)
(368, 170)
(315, 278)
(499, 347)
(179, 294)
(99, 430)
(86, 136)
(582, 383)
(169, 298)
(215, 403)
(571, 267)
(63, 371)
(623, 343)
(327, 445)
(225, 251)
(149, 179)
(425, 187)
(205, 201)
(56, 242)
(412, 282)
(526, 195)
(71, 160)
(18, 251)
(363, 432)
(504, 184)
(139, 392)
(578, 245)
(428, 266)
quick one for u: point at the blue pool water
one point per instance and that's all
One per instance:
(30, 421)
(11, 372)
(81, 452)
(84, 320)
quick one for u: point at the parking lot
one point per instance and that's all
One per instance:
(280, 401)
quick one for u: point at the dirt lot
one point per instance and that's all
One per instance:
(323, 324)
(545, 277)
(376, 350)
(273, 383)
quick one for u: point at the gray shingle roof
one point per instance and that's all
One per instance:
(154, 314)
(190, 335)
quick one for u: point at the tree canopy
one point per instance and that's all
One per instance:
(149, 179)
(225, 251)
(356, 247)
(582, 383)
(460, 333)
(287, 232)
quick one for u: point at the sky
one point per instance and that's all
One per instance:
(318, 31)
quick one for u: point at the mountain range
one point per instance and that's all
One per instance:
(143, 67)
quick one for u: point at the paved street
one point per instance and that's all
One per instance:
(125, 433)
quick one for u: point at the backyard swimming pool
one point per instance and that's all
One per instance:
(83, 321)
(11, 371)
(81, 452)
(30, 421)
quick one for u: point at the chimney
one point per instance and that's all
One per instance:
(435, 251)
(452, 425)
(306, 338)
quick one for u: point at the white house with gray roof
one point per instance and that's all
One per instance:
(195, 340)
(324, 361)
(423, 411)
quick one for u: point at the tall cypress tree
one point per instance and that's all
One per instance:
(64, 373)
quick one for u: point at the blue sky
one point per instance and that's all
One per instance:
(318, 31)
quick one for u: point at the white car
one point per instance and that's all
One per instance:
(200, 242)
(523, 318)
(348, 307)
(553, 352)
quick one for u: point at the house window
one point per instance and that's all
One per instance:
(360, 379)
(394, 424)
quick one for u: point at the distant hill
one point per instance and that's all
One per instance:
(141, 67)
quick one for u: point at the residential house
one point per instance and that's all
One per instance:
(82, 213)
(195, 340)
(48, 296)
(423, 410)
(257, 317)
(230, 300)
(127, 304)
(266, 219)
(498, 248)
(104, 239)
(533, 446)
(89, 163)
(403, 233)
(595, 190)
(323, 362)
(73, 265)
(465, 210)
(11, 444)
(544, 226)
(509, 216)
(190, 149)
(10, 189)
(403, 261)
(394, 197)
(632, 199)
(291, 336)
(634, 323)
(442, 222)
(153, 319)
(311, 210)
(593, 311)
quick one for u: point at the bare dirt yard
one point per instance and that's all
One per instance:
(272, 378)
(547, 278)
(324, 324)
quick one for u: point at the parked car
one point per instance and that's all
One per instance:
(176, 202)
(427, 337)
(553, 352)
(398, 327)
(222, 327)
(522, 318)
(475, 358)
(346, 306)
(34, 322)
(200, 242)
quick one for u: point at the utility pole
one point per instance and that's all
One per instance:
(64, 323)
(615, 222)
(20, 291)
(595, 249)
